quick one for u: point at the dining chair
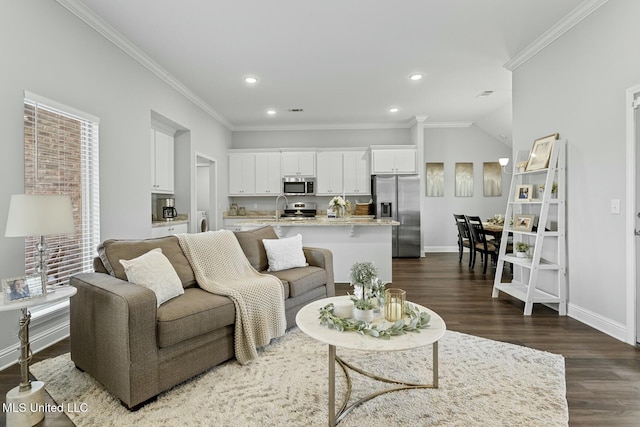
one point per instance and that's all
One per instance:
(487, 248)
(464, 237)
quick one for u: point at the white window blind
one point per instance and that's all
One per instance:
(61, 157)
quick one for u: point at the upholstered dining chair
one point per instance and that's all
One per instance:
(464, 237)
(487, 248)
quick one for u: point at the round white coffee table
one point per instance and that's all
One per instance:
(25, 402)
(308, 321)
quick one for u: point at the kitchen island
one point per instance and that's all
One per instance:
(350, 240)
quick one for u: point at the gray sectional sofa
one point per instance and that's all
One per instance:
(137, 350)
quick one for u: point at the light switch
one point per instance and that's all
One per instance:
(615, 206)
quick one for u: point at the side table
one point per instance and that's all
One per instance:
(25, 402)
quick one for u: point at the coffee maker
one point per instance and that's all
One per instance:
(166, 209)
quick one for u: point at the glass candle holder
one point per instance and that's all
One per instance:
(394, 304)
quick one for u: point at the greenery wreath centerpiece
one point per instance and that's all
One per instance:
(416, 320)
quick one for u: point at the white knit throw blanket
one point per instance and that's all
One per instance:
(221, 267)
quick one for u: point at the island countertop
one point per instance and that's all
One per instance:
(317, 222)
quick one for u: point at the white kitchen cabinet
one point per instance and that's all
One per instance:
(268, 180)
(162, 168)
(168, 230)
(356, 173)
(394, 160)
(242, 174)
(299, 163)
(330, 173)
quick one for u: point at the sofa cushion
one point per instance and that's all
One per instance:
(283, 254)
(251, 244)
(302, 280)
(194, 313)
(154, 271)
(112, 251)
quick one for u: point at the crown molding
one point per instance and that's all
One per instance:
(565, 24)
(441, 125)
(328, 126)
(111, 34)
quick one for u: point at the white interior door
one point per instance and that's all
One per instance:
(636, 127)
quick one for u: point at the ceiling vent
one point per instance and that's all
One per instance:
(295, 110)
(484, 94)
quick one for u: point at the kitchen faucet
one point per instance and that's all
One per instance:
(286, 204)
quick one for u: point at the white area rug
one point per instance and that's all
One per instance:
(482, 383)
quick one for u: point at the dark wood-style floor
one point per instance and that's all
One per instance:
(602, 373)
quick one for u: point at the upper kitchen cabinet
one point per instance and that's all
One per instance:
(394, 159)
(356, 173)
(298, 163)
(330, 173)
(162, 167)
(267, 175)
(242, 174)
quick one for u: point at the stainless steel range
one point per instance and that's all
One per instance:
(300, 210)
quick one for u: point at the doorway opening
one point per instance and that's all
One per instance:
(206, 197)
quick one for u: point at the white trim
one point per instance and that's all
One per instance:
(596, 321)
(61, 107)
(565, 24)
(632, 172)
(448, 125)
(329, 126)
(111, 34)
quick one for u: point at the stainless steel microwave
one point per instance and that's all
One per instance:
(298, 186)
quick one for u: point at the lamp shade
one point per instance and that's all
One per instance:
(39, 215)
(504, 161)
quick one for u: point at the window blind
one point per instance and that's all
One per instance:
(61, 157)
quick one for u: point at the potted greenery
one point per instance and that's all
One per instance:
(521, 249)
(363, 275)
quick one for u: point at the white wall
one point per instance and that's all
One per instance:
(449, 146)
(320, 138)
(48, 51)
(576, 87)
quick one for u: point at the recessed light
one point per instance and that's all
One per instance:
(271, 112)
(416, 77)
(251, 80)
(393, 110)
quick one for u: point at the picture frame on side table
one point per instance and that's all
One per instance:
(524, 193)
(523, 222)
(19, 288)
(540, 153)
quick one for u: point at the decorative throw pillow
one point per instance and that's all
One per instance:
(153, 270)
(284, 254)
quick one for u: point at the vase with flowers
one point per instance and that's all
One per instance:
(338, 206)
(363, 278)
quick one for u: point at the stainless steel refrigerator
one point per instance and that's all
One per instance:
(397, 197)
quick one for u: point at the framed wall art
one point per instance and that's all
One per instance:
(464, 179)
(492, 179)
(540, 153)
(524, 193)
(435, 179)
(523, 222)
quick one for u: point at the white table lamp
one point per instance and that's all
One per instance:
(40, 215)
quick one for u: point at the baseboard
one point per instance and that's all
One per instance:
(435, 249)
(43, 332)
(605, 325)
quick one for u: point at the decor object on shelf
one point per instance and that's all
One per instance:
(40, 215)
(554, 189)
(521, 249)
(541, 152)
(523, 222)
(394, 304)
(523, 193)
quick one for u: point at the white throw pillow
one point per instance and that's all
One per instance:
(153, 270)
(284, 254)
